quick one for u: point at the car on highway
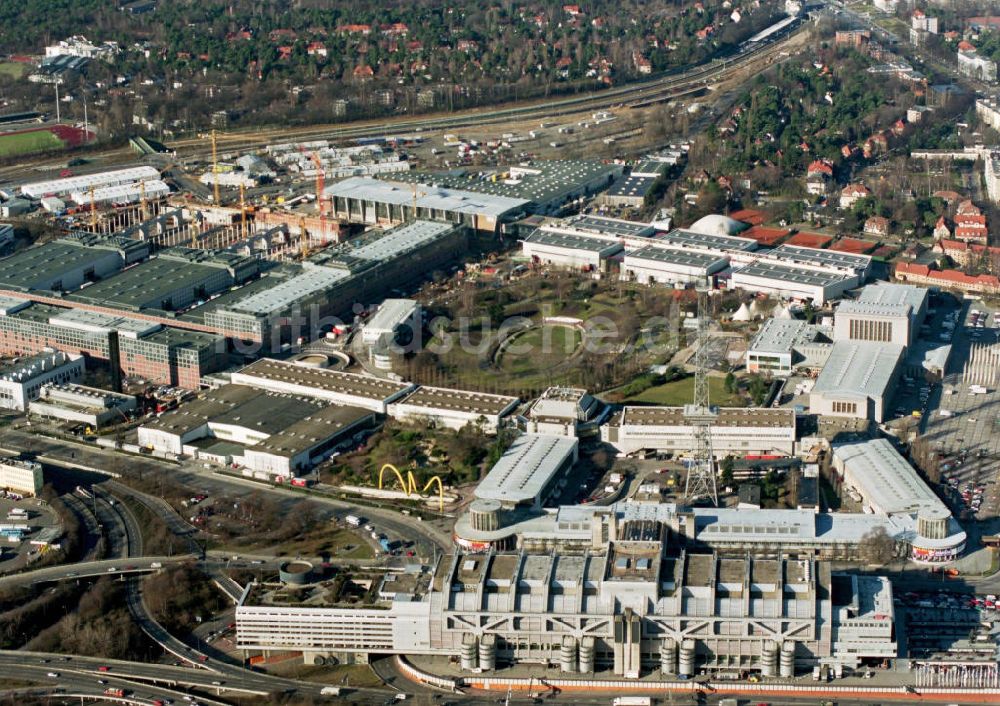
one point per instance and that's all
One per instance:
(104, 668)
(54, 675)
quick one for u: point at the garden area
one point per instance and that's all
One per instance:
(498, 337)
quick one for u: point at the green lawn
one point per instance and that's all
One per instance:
(681, 392)
(28, 142)
(539, 348)
(13, 69)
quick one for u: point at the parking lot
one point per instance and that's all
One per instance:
(936, 620)
(14, 555)
(961, 424)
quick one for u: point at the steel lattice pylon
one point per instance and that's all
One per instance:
(700, 481)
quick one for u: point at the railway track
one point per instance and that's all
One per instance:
(632, 95)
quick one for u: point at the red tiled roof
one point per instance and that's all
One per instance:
(749, 215)
(819, 167)
(809, 240)
(948, 195)
(854, 245)
(765, 236)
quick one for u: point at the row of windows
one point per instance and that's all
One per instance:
(845, 407)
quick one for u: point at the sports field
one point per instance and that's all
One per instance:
(18, 143)
(13, 69)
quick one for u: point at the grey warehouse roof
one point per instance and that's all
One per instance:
(526, 468)
(885, 477)
(781, 335)
(891, 294)
(793, 275)
(676, 257)
(823, 258)
(688, 238)
(572, 241)
(439, 198)
(860, 367)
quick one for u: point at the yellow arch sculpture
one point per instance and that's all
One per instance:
(409, 484)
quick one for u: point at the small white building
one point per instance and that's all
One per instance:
(781, 345)
(87, 405)
(20, 476)
(565, 411)
(21, 382)
(392, 317)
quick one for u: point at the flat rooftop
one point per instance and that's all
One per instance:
(859, 367)
(672, 256)
(33, 268)
(822, 258)
(782, 335)
(727, 417)
(876, 309)
(150, 285)
(890, 294)
(526, 468)
(284, 293)
(885, 478)
(691, 239)
(458, 400)
(318, 425)
(384, 246)
(573, 241)
(434, 197)
(632, 186)
(268, 370)
(537, 182)
(791, 275)
(99, 323)
(602, 225)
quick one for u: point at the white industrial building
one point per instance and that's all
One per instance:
(333, 386)
(858, 380)
(84, 182)
(570, 250)
(791, 282)
(371, 201)
(92, 406)
(889, 485)
(530, 471)
(122, 193)
(736, 431)
(781, 345)
(452, 409)
(659, 265)
(20, 476)
(392, 316)
(268, 433)
(735, 249)
(21, 382)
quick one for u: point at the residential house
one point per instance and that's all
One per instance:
(877, 225)
(852, 193)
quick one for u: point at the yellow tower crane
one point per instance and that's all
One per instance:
(303, 237)
(142, 199)
(243, 212)
(93, 211)
(215, 169)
